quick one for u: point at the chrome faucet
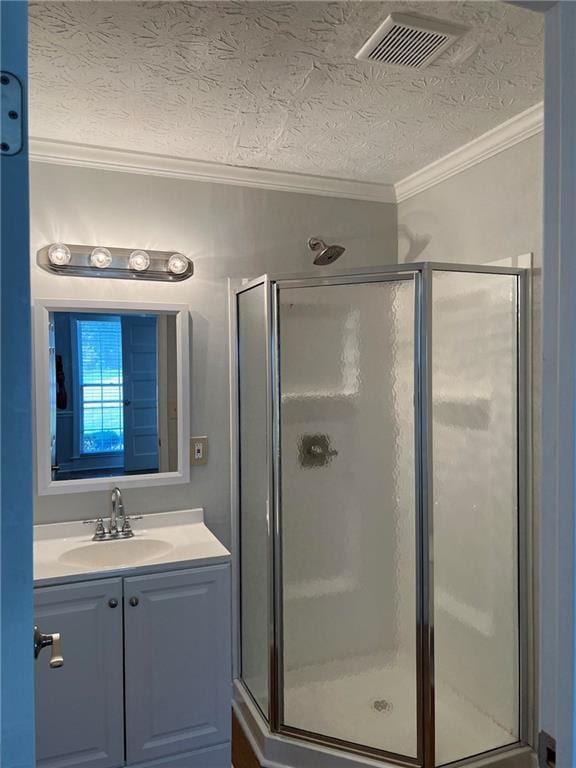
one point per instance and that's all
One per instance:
(118, 511)
(117, 514)
(117, 508)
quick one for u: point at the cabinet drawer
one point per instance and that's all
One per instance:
(177, 662)
(79, 707)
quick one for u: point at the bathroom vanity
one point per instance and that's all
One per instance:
(144, 628)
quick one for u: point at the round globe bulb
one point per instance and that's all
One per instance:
(101, 258)
(59, 254)
(178, 264)
(139, 261)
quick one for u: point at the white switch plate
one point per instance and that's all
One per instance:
(199, 450)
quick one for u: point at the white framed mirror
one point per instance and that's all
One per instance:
(112, 395)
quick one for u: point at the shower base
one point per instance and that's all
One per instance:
(366, 703)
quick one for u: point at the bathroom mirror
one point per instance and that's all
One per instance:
(111, 395)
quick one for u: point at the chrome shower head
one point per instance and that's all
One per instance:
(325, 254)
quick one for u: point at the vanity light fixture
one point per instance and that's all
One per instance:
(178, 263)
(139, 260)
(119, 263)
(59, 254)
(101, 258)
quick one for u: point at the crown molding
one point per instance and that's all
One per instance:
(103, 158)
(504, 136)
(517, 129)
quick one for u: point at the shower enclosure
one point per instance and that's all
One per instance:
(383, 519)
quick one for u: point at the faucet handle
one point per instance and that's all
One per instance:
(126, 527)
(100, 531)
(98, 522)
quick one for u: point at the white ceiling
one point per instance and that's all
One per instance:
(275, 85)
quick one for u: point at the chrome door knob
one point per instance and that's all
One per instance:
(113, 603)
(133, 601)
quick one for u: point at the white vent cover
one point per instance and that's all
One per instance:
(409, 41)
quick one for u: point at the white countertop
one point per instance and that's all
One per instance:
(65, 551)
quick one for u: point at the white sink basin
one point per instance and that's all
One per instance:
(116, 554)
(67, 550)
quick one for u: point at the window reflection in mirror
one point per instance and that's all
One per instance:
(113, 394)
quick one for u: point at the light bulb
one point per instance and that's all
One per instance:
(101, 258)
(139, 261)
(178, 264)
(59, 254)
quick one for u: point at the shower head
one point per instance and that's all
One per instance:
(325, 254)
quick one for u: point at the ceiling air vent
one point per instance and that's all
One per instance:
(409, 41)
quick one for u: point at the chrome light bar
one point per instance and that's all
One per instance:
(119, 263)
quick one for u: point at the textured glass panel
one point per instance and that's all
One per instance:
(253, 492)
(475, 475)
(348, 513)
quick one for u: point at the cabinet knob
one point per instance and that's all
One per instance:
(113, 603)
(133, 601)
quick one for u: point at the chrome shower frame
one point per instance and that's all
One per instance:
(512, 755)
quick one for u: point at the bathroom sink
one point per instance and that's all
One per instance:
(162, 538)
(115, 554)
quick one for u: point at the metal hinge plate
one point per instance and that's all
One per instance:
(546, 750)
(11, 138)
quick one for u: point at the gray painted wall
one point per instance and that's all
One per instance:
(490, 211)
(229, 231)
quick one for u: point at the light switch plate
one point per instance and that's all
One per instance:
(198, 450)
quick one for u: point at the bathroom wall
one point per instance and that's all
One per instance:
(489, 212)
(229, 231)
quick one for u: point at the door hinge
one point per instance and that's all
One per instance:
(12, 106)
(546, 750)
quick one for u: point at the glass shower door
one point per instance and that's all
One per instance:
(347, 514)
(475, 428)
(253, 501)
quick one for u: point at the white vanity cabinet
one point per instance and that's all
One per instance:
(146, 679)
(177, 663)
(80, 707)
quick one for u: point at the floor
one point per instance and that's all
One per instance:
(242, 754)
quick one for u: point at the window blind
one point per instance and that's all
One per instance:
(101, 390)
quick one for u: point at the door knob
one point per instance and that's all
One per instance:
(42, 640)
(133, 602)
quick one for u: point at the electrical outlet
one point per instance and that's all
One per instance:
(199, 451)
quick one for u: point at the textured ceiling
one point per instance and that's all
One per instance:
(275, 84)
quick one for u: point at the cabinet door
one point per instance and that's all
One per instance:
(79, 707)
(177, 662)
